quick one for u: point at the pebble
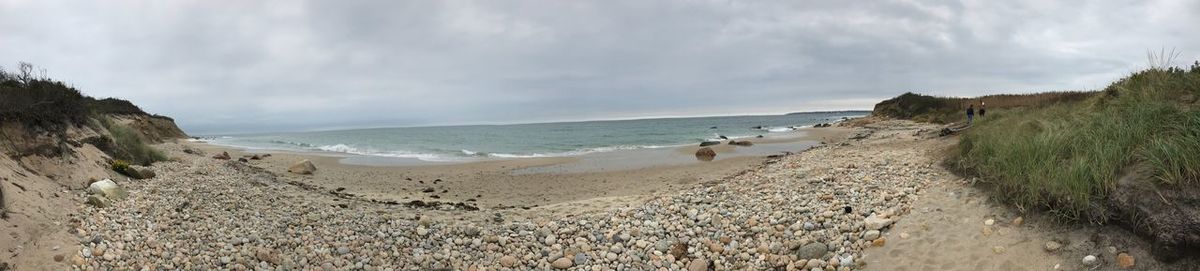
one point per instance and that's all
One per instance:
(697, 265)
(989, 222)
(1089, 260)
(562, 263)
(871, 235)
(1052, 246)
(508, 261)
(1124, 260)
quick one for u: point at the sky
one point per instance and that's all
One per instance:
(258, 66)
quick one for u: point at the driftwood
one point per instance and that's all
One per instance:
(951, 130)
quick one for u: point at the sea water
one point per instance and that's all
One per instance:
(481, 142)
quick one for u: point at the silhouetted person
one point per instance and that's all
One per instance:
(970, 113)
(982, 109)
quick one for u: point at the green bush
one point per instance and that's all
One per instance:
(47, 105)
(127, 145)
(120, 166)
(1064, 158)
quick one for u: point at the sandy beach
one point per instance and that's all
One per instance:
(872, 197)
(586, 183)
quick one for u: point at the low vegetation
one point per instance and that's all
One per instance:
(1066, 158)
(127, 145)
(933, 109)
(29, 98)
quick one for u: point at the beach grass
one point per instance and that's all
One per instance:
(1065, 157)
(30, 98)
(128, 146)
(935, 109)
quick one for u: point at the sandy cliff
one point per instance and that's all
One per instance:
(43, 172)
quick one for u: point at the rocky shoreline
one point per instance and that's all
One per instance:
(814, 210)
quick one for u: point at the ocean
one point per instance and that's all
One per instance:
(482, 142)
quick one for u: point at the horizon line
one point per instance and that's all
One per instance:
(541, 122)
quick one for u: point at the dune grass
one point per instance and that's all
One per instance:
(934, 109)
(128, 146)
(1063, 158)
(30, 98)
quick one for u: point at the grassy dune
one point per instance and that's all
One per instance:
(1065, 158)
(953, 109)
(45, 105)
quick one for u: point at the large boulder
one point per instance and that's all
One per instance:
(108, 189)
(706, 154)
(222, 156)
(302, 167)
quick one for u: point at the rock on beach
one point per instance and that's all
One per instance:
(303, 167)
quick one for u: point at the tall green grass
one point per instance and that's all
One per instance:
(127, 145)
(1174, 157)
(1064, 157)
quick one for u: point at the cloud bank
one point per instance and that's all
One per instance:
(248, 66)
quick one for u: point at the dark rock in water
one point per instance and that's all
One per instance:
(741, 143)
(759, 136)
(714, 127)
(706, 154)
(722, 137)
(709, 143)
(1167, 214)
(757, 127)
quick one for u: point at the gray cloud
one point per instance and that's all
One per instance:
(244, 66)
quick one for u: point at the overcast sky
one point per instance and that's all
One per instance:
(247, 66)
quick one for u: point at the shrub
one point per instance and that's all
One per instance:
(29, 98)
(120, 166)
(1064, 158)
(932, 109)
(127, 145)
